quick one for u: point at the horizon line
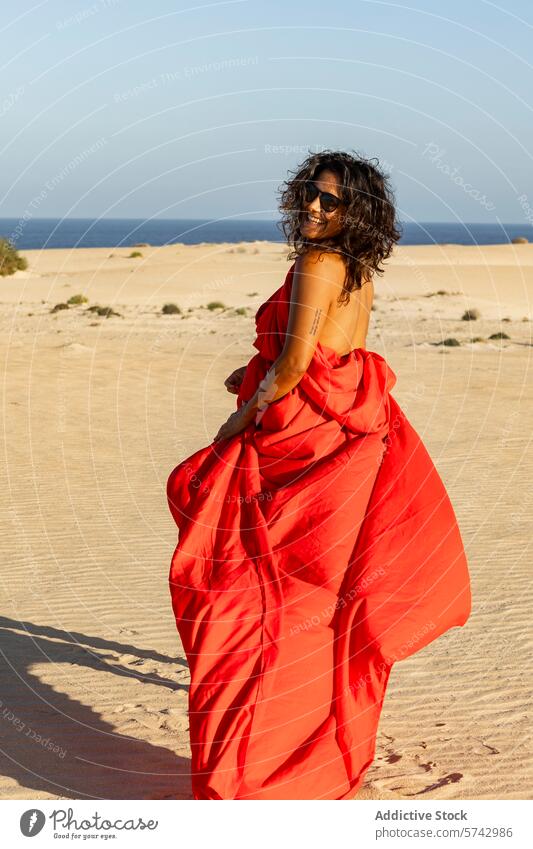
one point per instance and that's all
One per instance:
(257, 220)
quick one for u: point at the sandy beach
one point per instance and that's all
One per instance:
(99, 409)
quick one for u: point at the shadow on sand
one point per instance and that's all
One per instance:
(56, 745)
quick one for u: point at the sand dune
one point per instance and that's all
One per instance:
(98, 410)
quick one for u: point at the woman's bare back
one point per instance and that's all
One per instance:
(346, 325)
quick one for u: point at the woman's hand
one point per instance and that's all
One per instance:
(233, 382)
(235, 424)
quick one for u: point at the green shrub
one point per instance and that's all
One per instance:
(499, 335)
(77, 299)
(170, 309)
(10, 261)
(59, 307)
(134, 254)
(103, 311)
(470, 315)
(450, 342)
(240, 311)
(216, 305)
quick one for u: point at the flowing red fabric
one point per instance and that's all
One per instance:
(316, 548)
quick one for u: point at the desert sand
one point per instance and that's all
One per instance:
(97, 412)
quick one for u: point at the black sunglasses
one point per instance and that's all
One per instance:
(328, 202)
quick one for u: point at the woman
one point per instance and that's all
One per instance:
(317, 543)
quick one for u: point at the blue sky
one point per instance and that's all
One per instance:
(200, 109)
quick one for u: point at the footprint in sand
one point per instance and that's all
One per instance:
(135, 714)
(131, 659)
(175, 719)
(427, 767)
(415, 771)
(485, 748)
(390, 757)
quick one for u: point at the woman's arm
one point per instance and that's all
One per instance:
(315, 283)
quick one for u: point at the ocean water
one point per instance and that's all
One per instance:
(38, 233)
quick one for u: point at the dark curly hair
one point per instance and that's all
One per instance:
(370, 228)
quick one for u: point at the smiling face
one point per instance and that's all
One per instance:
(316, 223)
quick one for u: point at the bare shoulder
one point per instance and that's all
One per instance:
(328, 269)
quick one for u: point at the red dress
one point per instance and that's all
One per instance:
(316, 548)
